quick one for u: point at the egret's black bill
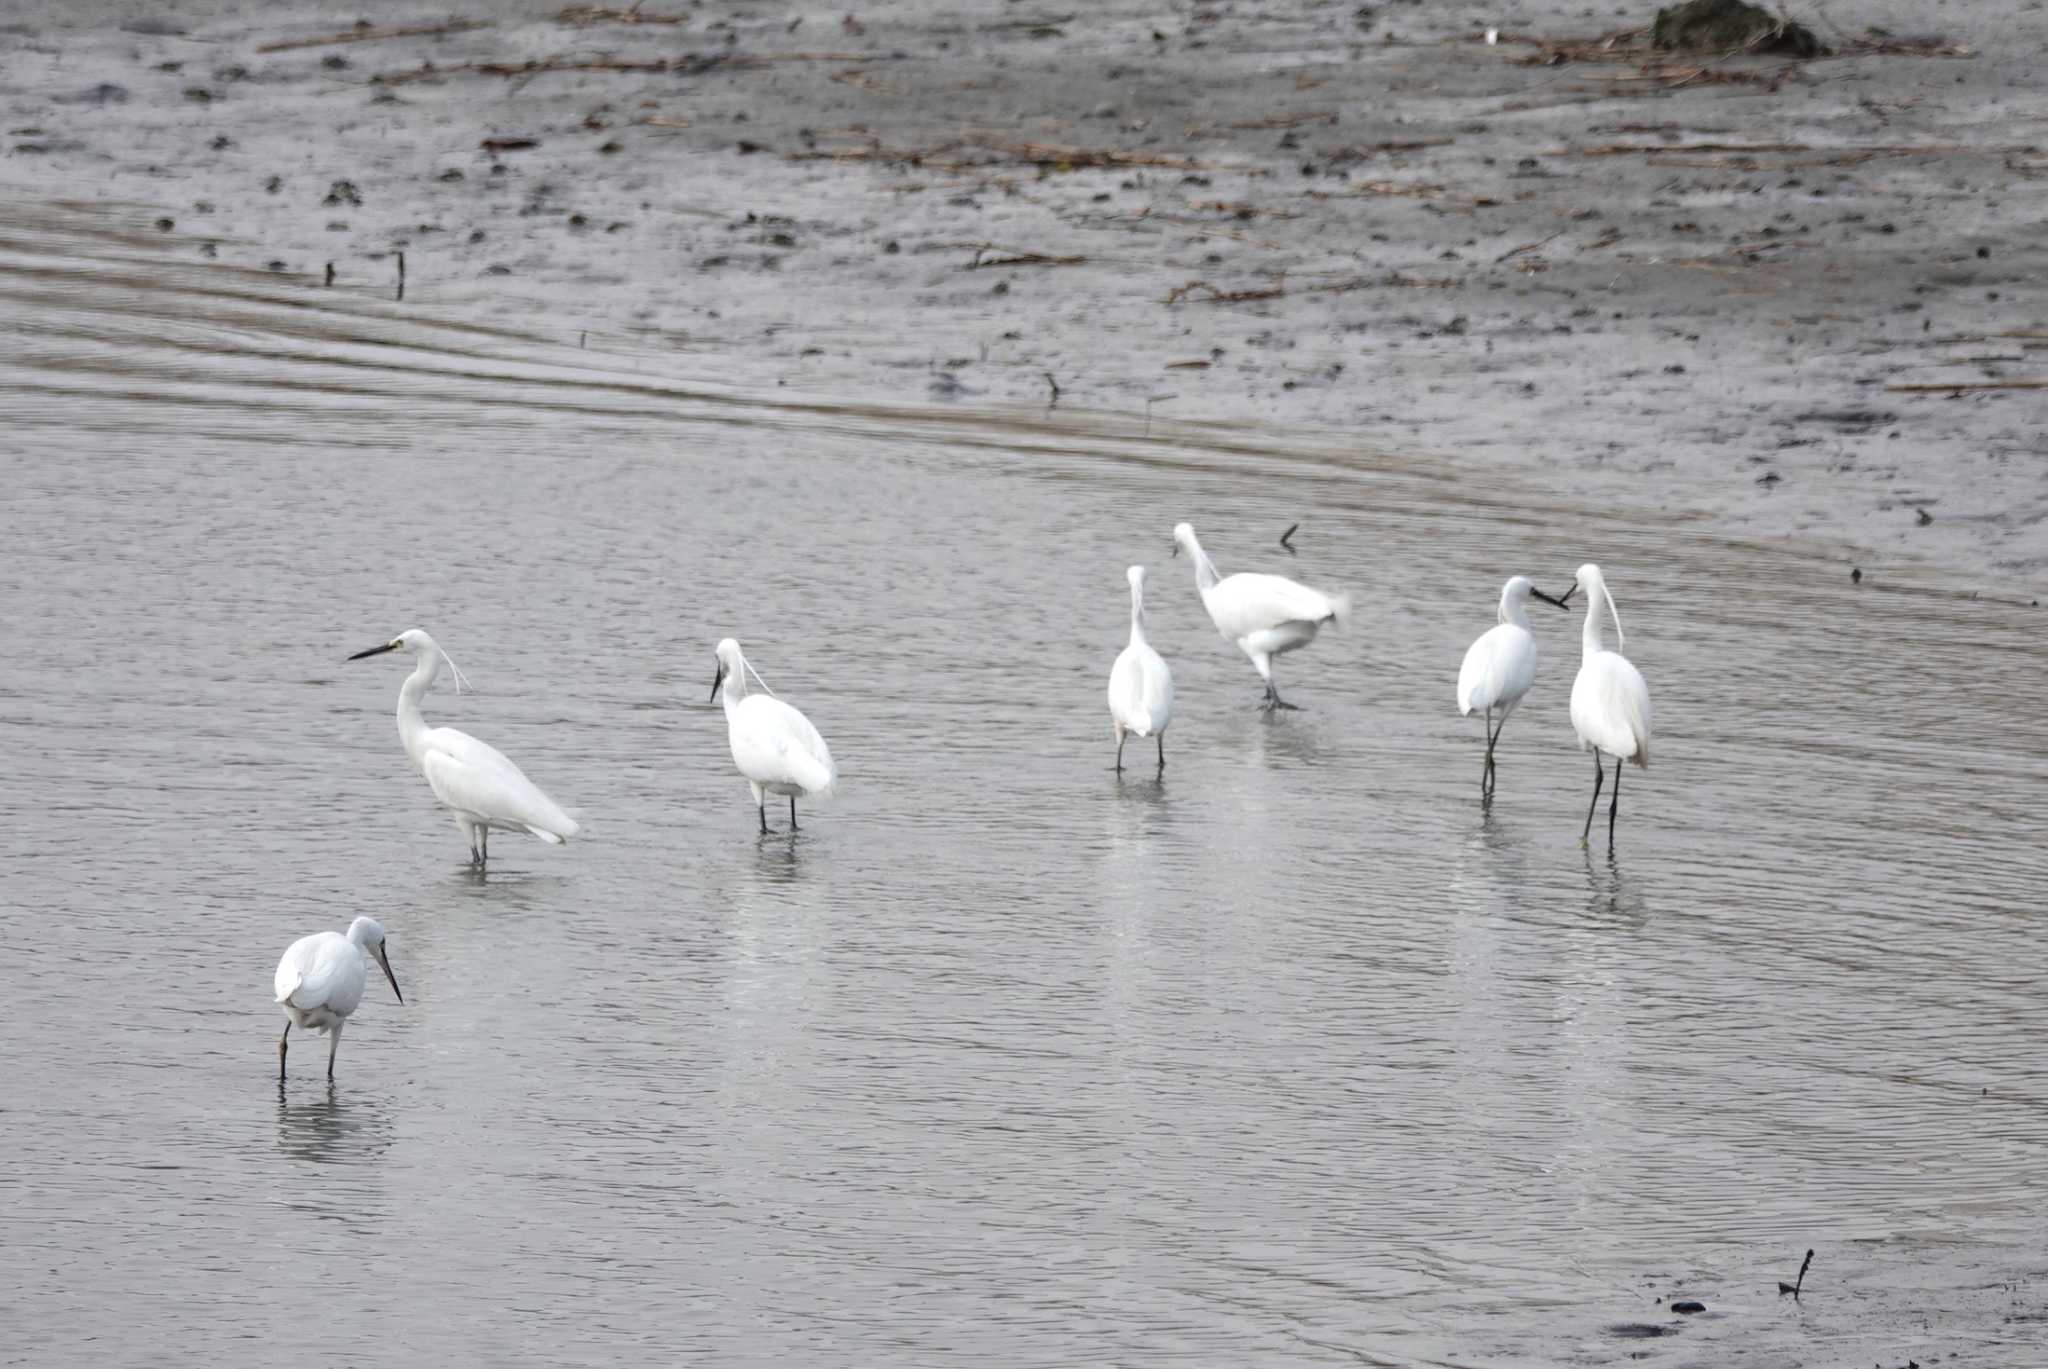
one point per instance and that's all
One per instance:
(375, 651)
(717, 680)
(1564, 602)
(1537, 593)
(386, 963)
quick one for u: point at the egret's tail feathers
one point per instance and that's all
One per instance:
(285, 991)
(1340, 608)
(549, 837)
(1642, 755)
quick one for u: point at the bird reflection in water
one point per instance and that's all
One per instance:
(332, 1127)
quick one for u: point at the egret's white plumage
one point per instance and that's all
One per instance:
(1140, 685)
(320, 981)
(1610, 701)
(1265, 615)
(773, 745)
(1500, 666)
(472, 780)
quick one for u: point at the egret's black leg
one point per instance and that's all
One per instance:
(281, 1047)
(1614, 803)
(1486, 765)
(483, 837)
(792, 812)
(1160, 737)
(764, 817)
(333, 1045)
(1599, 776)
(1119, 752)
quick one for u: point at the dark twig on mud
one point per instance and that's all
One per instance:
(688, 64)
(1527, 247)
(1929, 388)
(1793, 1287)
(1020, 259)
(583, 16)
(401, 275)
(1211, 295)
(369, 33)
(1055, 390)
(1287, 534)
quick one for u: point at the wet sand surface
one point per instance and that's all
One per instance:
(1298, 1056)
(1689, 286)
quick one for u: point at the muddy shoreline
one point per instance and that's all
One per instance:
(1688, 285)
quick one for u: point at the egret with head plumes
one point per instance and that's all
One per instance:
(1610, 702)
(774, 746)
(1500, 666)
(473, 781)
(320, 981)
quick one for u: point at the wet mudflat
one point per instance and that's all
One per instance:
(1296, 1056)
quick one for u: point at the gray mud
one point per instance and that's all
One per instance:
(1679, 283)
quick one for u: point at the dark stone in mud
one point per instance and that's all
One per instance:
(1688, 1307)
(1640, 1330)
(343, 192)
(154, 28)
(1730, 26)
(105, 93)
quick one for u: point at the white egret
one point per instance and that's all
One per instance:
(473, 781)
(1610, 702)
(1500, 666)
(1140, 685)
(1266, 615)
(773, 745)
(320, 981)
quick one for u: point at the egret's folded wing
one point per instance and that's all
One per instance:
(472, 777)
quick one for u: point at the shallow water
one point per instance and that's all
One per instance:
(1298, 1055)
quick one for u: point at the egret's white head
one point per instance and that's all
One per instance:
(416, 641)
(368, 933)
(1136, 575)
(1590, 582)
(730, 662)
(1520, 589)
(1183, 537)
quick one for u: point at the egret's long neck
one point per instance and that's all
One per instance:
(734, 687)
(1205, 569)
(1592, 636)
(1137, 614)
(412, 728)
(1514, 611)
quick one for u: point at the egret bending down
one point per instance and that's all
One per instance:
(1500, 666)
(773, 745)
(320, 981)
(473, 781)
(1610, 702)
(1140, 685)
(1266, 615)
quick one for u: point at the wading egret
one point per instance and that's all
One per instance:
(1140, 685)
(473, 781)
(773, 745)
(320, 981)
(1500, 667)
(1266, 615)
(1610, 702)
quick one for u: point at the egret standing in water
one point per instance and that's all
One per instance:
(472, 780)
(773, 745)
(1140, 685)
(320, 981)
(1610, 702)
(1265, 615)
(1500, 667)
